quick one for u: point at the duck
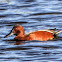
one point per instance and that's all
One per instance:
(40, 35)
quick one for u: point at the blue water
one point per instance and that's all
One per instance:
(32, 15)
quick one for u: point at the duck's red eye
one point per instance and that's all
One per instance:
(18, 31)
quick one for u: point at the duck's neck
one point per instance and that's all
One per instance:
(22, 37)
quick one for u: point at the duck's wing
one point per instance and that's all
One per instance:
(47, 30)
(50, 30)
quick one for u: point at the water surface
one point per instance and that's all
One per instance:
(32, 15)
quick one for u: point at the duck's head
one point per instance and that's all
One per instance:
(17, 30)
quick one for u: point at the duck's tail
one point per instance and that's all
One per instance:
(58, 32)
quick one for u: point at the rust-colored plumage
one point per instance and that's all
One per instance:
(41, 35)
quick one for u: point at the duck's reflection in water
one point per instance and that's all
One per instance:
(14, 42)
(19, 43)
